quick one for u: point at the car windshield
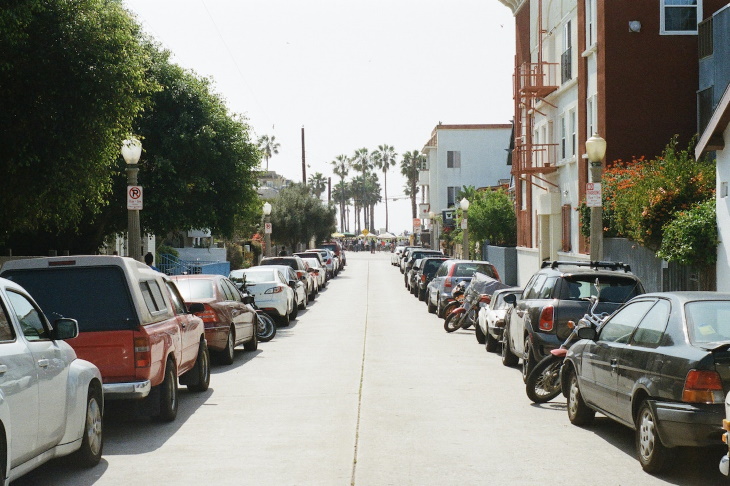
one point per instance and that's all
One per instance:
(708, 321)
(468, 269)
(289, 262)
(259, 276)
(195, 289)
(613, 289)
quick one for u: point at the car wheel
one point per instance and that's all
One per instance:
(578, 412)
(168, 394)
(429, 304)
(439, 310)
(491, 343)
(92, 441)
(653, 455)
(303, 304)
(527, 360)
(227, 355)
(311, 296)
(294, 313)
(202, 366)
(421, 295)
(508, 357)
(481, 338)
(253, 343)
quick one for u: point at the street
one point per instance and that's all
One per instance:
(366, 388)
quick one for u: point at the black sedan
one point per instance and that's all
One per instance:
(660, 365)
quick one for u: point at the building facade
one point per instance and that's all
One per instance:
(624, 69)
(458, 156)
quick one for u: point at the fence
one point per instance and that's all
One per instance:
(171, 265)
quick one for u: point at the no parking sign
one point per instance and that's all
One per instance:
(134, 198)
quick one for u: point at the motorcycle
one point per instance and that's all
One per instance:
(458, 295)
(543, 382)
(479, 292)
(265, 325)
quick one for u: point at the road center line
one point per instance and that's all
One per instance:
(362, 374)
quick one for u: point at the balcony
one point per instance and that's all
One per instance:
(535, 158)
(536, 79)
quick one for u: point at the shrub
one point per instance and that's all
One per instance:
(691, 238)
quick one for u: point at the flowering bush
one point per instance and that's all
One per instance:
(691, 238)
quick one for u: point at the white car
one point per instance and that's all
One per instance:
(491, 318)
(321, 273)
(270, 289)
(298, 284)
(330, 261)
(395, 256)
(51, 402)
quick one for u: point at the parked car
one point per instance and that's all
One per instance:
(395, 256)
(414, 255)
(559, 292)
(336, 248)
(271, 291)
(298, 285)
(330, 261)
(228, 321)
(658, 365)
(312, 254)
(450, 273)
(318, 270)
(426, 272)
(491, 317)
(404, 256)
(52, 401)
(300, 270)
(134, 325)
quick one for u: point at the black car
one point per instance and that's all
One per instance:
(660, 365)
(416, 254)
(426, 271)
(558, 293)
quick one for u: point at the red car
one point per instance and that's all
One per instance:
(228, 321)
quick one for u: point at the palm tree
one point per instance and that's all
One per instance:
(371, 198)
(384, 159)
(341, 196)
(362, 162)
(317, 184)
(268, 146)
(341, 168)
(409, 166)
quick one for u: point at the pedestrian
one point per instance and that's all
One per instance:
(149, 258)
(283, 251)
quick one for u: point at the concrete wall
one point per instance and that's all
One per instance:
(723, 217)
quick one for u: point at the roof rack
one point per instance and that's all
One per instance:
(596, 265)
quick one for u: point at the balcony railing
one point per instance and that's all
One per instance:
(537, 78)
(535, 158)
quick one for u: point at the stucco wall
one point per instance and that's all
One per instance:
(723, 217)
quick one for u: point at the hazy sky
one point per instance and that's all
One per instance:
(352, 73)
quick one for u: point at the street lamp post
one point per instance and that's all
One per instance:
(131, 151)
(596, 150)
(267, 228)
(464, 203)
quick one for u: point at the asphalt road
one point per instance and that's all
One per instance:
(365, 388)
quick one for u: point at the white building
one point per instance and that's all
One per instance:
(458, 156)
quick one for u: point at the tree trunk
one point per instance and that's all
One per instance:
(385, 185)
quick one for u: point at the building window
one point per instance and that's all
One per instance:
(563, 137)
(679, 17)
(566, 58)
(573, 139)
(451, 193)
(566, 216)
(590, 22)
(590, 116)
(453, 159)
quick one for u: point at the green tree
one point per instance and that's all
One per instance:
(384, 159)
(341, 167)
(409, 166)
(268, 146)
(361, 162)
(691, 238)
(72, 81)
(317, 184)
(297, 217)
(492, 218)
(341, 197)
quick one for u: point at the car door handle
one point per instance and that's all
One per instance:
(43, 363)
(3, 369)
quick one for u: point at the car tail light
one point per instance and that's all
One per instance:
(447, 282)
(703, 387)
(275, 290)
(208, 315)
(546, 319)
(423, 278)
(142, 352)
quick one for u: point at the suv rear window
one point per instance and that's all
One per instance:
(290, 262)
(97, 297)
(613, 289)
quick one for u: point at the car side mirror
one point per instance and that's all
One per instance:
(587, 333)
(249, 299)
(195, 308)
(65, 328)
(511, 299)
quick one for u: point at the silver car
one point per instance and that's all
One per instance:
(52, 402)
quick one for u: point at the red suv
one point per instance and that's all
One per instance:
(337, 249)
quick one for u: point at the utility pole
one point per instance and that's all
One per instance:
(304, 161)
(329, 190)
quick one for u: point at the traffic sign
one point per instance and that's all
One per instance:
(593, 195)
(365, 232)
(134, 198)
(267, 228)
